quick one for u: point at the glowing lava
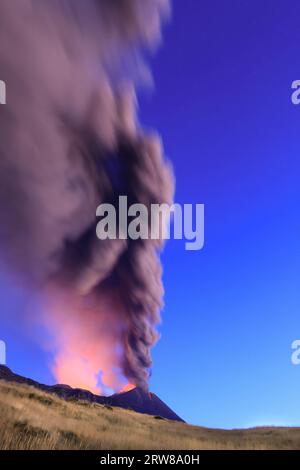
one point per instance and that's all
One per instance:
(86, 342)
(128, 388)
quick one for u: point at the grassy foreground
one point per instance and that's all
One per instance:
(32, 419)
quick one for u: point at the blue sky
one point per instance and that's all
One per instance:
(222, 104)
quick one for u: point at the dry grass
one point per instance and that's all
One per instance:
(32, 419)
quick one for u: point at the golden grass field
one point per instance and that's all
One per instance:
(32, 419)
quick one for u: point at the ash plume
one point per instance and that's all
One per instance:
(71, 140)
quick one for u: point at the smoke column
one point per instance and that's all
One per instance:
(70, 140)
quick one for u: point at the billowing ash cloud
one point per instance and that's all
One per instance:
(70, 140)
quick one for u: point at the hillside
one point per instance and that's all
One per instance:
(33, 419)
(135, 399)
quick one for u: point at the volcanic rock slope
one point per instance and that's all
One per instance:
(136, 400)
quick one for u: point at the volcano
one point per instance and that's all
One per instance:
(136, 399)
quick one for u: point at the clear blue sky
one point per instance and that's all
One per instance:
(222, 104)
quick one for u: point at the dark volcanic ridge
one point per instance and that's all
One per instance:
(136, 400)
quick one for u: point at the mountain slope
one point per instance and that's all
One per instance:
(142, 402)
(32, 419)
(137, 399)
